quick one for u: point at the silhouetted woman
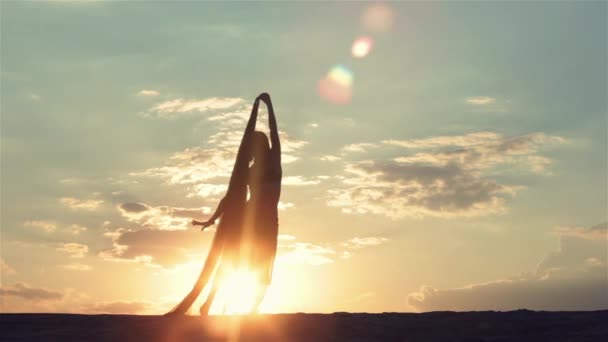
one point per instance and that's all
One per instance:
(258, 246)
(231, 211)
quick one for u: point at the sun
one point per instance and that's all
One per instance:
(237, 292)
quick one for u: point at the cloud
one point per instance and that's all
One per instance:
(118, 307)
(307, 253)
(465, 140)
(75, 250)
(161, 217)
(357, 243)
(194, 166)
(172, 109)
(5, 269)
(481, 100)
(77, 267)
(27, 292)
(134, 207)
(146, 92)
(598, 232)
(205, 170)
(285, 205)
(47, 226)
(329, 158)
(572, 278)
(76, 229)
(398, 190)
(300, 181)
(296, 252)
(450, 178)
(155, 247)
(360, 147)
(75, 203)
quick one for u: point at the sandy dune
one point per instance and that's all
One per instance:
(519, 325)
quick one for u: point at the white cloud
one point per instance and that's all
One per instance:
(481, 100)
(47, 226)
(312, 254)
(357, 243)
(172, 109)
(360, 147)
(329, 158)
(161, 217)
(148, 92)
(307, 253)
(76, 229)
(77, 267)
(300, 181)
(205, 170)
(75, 203)
(75, 250)
(285, 205)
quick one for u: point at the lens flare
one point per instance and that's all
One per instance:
(237, 292)
(336, 87)
(362, 46)
(378, 18)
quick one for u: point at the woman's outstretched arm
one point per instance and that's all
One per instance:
(241, 164)
(272, 123)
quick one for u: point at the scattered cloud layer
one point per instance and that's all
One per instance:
(451, 176)
(481, 100)
(77, 267)
(27, 292)
(296, 252)
(205, 170)
(74, 250)
(161, 217)
(172, 109)
(47, 226)
(148, 92)
(76, 204)
(572, 278)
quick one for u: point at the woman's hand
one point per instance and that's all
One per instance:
(264, 97)
(204, 224)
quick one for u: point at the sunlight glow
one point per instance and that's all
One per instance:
(237, 293)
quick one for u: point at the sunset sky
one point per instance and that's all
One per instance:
(453, 159)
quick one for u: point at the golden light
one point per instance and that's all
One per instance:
(237, 293)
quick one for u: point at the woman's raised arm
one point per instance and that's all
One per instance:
(272, 123)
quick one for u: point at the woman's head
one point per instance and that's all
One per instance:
(260, 146)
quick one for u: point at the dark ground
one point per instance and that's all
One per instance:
(522, 325)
